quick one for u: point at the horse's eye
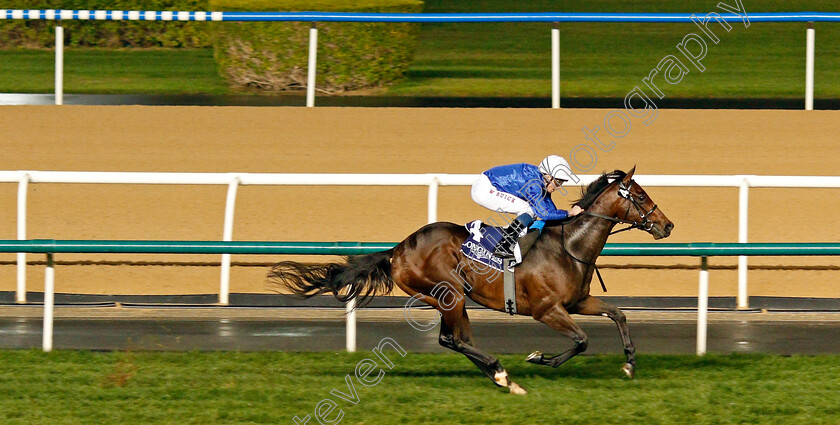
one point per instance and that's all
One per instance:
(642, 197)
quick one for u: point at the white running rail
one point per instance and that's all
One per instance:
(432, 181)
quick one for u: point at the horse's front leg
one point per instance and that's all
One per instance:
(558, 319)
(592, 306)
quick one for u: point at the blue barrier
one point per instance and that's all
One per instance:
(119, 15)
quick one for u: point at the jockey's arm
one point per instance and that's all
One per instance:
(534, 193)
(546, 210)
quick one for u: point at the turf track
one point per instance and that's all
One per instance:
(70, 387)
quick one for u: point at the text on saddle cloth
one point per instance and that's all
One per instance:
(481, 243)
(479, 247)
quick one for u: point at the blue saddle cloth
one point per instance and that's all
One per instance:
(481, 243)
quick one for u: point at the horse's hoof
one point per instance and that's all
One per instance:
(629, 370)
(501, 379)
(516, 389)
(536, 357)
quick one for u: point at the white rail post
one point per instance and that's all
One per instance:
(809, 67)
(351, 325)
(702, 306)
(49, 303)
(59, 64)
(555, 68)
(227, 236)
(433, 198)
(310, 73)
(743, 231)
(20, 293)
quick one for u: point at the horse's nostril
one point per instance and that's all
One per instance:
(669, 227)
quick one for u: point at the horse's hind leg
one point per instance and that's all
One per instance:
(558, 319)
(455, 334)
(592, 306)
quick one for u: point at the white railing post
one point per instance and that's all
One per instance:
(743, 232)
(20, 293)
(433, 199)
(350, 308)
(49, 303)
(59, 64)
(809, 67)
(227, 236)
(702, 306)
(555, 68)
(310, 73)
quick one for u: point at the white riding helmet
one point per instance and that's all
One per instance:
(556, 167)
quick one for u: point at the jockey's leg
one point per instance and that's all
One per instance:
(485, 194)
(511, 236)
(488, 196)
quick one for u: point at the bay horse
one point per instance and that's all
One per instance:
(552, 281)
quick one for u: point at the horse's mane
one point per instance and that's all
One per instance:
(591, 193)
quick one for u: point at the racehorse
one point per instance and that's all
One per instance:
(551, 283)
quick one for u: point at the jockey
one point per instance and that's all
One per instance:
(524, 190)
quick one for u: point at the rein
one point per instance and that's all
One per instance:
(588, 264)
(645, 224)
(633, 224)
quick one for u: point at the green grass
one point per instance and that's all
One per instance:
(79, 387)
(609, 59)
(166, 71)
(766, 60)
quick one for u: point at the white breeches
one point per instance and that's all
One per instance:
(485, 194)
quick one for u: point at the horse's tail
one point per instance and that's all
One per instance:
(358, 276)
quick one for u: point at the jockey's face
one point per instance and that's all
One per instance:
(552, 184)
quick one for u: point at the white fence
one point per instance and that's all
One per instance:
(556, 18)
(432, 181)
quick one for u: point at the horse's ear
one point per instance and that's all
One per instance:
(629, 175)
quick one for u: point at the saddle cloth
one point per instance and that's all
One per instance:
(481, 243)
(479, 247)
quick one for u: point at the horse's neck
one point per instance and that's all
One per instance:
(586, 236)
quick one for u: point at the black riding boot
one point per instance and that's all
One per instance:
(511, 235)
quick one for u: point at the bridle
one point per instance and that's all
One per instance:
(645, 224)
(624, 192)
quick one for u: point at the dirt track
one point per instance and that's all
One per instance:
(374, 140)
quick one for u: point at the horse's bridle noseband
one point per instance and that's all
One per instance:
(624, 192)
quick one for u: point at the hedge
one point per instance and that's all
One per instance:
(267, 56)
(41, 33)
(272, 56)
